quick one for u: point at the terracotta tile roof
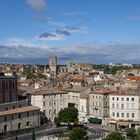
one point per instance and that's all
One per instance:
(46, 91)
(19, 110)
(102, 91)
(75, 89)
(137, 78)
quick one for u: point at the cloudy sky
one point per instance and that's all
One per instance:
(93, 31)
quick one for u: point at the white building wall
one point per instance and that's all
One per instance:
(124, 107)
(37, 100)
(83, 110)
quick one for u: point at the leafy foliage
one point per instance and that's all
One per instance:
(114, 136)
(68, 115)
(131, 133)
(78, 134)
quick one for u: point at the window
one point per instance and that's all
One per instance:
(117, 99)
(117, 106)
(19, 125)
(43, 96)
(27, 114)
(44, 111)
(54, 111)
(117, 114)
(122, 106)
(13, 107)
(5, 128)
(113, 106)
(82, 108)
(96, 103)
(127, 115)
(6, 108)
(61, 96)
(127, 99)
(96, 97)
(54, 102)
(43, 103)
(132, 99)
(5, 119)
(113, 114)
(122, 115)
(50, 112)
(113, 98)
(122, 99)
(93, 103)
(6, 85)
(93, 96)
(133, 115)
(99, 97)
(12, 117)
(19, 116)
(27, 124)
(50, 103)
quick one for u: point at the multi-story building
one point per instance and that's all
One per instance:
(78, 98)
(99, 104)
(49, 101)
(8, 88)
(18, 115)
(15, 114)
(124, 110)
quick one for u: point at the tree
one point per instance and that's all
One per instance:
(57, 121)
(131, 133)
(114, 136)
(78, 134)
(68, 115)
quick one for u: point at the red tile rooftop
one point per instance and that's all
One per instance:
(137, 78)
(46, 91)
(19, 110)
(75, 89)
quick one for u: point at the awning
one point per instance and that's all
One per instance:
(123, 123)
(136, 122)
(112, 122)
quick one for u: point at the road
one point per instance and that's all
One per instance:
(97, 132)
(40, 133)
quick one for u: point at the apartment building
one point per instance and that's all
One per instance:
(78, 98)
(124, 110)
(99, 104)
(49, 101)
(15, 114)
(18, 115)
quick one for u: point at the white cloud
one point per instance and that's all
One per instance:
(37, 4)
(17, 42)
(90, 52)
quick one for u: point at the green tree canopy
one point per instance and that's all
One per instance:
(78, 134)
(114, 136)
(131, 133)
(68, 115)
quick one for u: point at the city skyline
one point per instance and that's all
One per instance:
(93, 31)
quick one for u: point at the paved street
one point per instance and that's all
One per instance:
(97, 132)
(40, 133)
